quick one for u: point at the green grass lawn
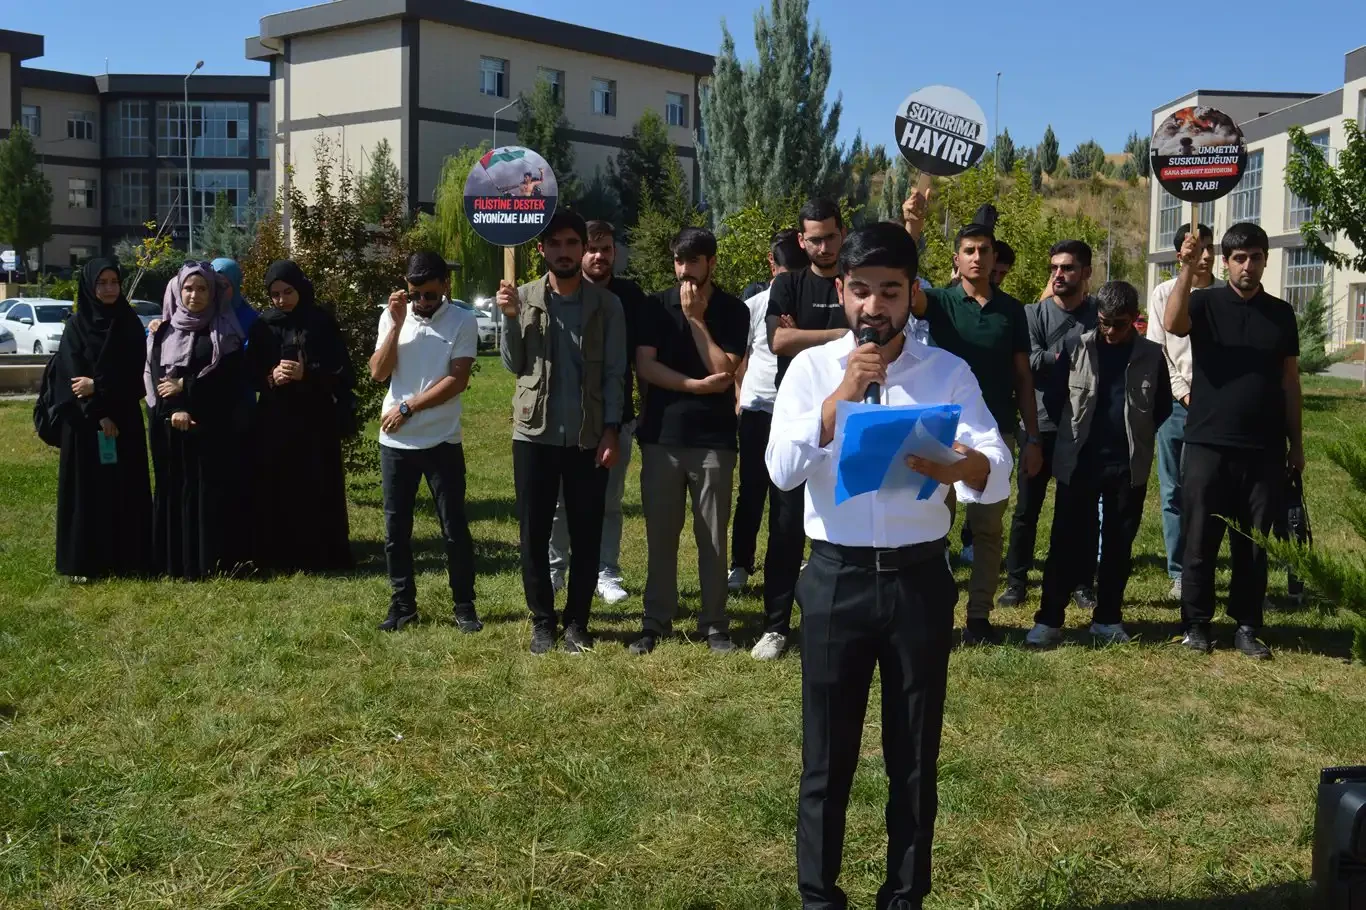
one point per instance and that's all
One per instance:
(249, 744)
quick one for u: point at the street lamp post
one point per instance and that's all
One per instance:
(495, 121)
(189, 174)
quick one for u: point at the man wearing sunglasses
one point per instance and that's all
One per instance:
(425, 352)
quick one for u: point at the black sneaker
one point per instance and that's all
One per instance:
(542, 639)
(466, 619)
(643, 645)
(1246, 641)
(1085, 598)
(979, 631)
(399, 616)
(720, 643)
(1197, 638)
(577, 640)
(1013, 596)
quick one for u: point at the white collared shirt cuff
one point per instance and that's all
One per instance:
(998, 478)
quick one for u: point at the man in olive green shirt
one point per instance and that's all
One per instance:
(986, 327)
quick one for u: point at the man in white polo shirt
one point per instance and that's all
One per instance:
(425, 351)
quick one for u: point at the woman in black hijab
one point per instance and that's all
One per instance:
(300, 367)
(104, 496)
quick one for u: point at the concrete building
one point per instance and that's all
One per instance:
(1293, 272)
(113, 146)
(433, 76)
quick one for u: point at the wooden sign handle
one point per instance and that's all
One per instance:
(1195, 219)
(510, 264)
(922, 183)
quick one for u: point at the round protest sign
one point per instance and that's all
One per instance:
(1198, 154)
(941, 130)
(510, 196)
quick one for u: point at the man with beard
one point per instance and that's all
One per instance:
(877, 592)
(803, 311)
(1245, 406)
(1053, 322)
(691, 341)
(566, 343)
(598, 262)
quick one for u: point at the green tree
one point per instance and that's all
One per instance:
(1036, 175)
(268, 244)
(1128, 173)
(543, 127)
(221, 235)
(600, 200)
(1336, 192)
(1005, 152)
(640, 164)
(664, 211)
(1137, 149)
(745, 237)
(769, 132)
(1086, 159)
(1048, 151)
(148, 262)
(896, 186)
(381, 190)
(25, 194)
(862, 167)
(1312, 319)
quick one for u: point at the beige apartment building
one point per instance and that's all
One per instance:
(1293, 272)
(433, 76)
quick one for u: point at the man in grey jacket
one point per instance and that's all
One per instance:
(1110, 391)
(1053, 322)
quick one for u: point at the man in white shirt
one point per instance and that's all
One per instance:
(758, 388)
(425, 351)
(877, 590)
(1171, 437)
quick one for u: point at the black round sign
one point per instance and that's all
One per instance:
(941, 130)
(1198, 154)
(510, 195)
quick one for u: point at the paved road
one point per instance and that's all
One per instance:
(1347, 370)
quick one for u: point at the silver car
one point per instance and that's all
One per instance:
(37, 323)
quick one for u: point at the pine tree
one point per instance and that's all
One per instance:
(769, 133)
(665, 209)
(25, 194)
(267, 245)
(1005, 152)
(640, 164)
(1036, 175)
(862, 165)
(221, 235)
(381, 186)
(1086, 159)
(1312, 321)
(896, 186)
(543, 127)
(1137, 147)
(1048, 152)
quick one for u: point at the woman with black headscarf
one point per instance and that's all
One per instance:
(197, 392)
(104, 498)
(299, 365)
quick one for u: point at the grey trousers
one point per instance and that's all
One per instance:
(668, 475)
(609, 558)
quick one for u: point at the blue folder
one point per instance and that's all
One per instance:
(874, 441)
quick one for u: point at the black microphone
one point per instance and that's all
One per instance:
(873, 394)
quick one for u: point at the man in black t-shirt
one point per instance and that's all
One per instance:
(804, 311)
(691, 340)
(1245, 405)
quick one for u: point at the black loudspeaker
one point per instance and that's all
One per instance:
(1340, 840)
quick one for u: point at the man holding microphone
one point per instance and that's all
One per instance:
(877, 591)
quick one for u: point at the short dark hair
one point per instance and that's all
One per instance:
(692, 242)
(424, 266)
(820, 208)
(567, 219)
(787, 251)
(973, 230)
(1079, 250)
(1117, 298)
(880, 244)
(1245, 236)
(1205, 234)
(1005, 253)
(599, 228)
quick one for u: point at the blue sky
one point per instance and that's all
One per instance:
(1095, 74)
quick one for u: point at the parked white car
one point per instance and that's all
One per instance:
(146, 311)
(7, 303)
(37, 324)
(488, 329)
(7, 343)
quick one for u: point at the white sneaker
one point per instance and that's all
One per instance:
(556, 582)
(1112, 634)
(770, 647)
(1042, 636)
(610, 589)
(965, 555)
(1175, 592)
(737, 579)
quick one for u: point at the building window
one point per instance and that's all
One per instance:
(33, 119)
(493, 77)
(676, 109)
(80, 125)
(264, 127)
(556, 80)
(80, 255)
(80, 192)
(1298, 211)
(126, 197)
(1359, 312)
(236, 185)
(1245, 202)
(1303, 276)
(126, 129)
(605, 97)
(218, 129)
(1168, 219)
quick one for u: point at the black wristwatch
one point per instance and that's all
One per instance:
(405, 410)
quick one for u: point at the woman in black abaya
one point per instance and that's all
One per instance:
(299, 365)
(197, 392)
(104, 498)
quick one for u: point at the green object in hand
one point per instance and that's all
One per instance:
(109, 450)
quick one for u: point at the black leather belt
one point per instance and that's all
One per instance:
(881, 560)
